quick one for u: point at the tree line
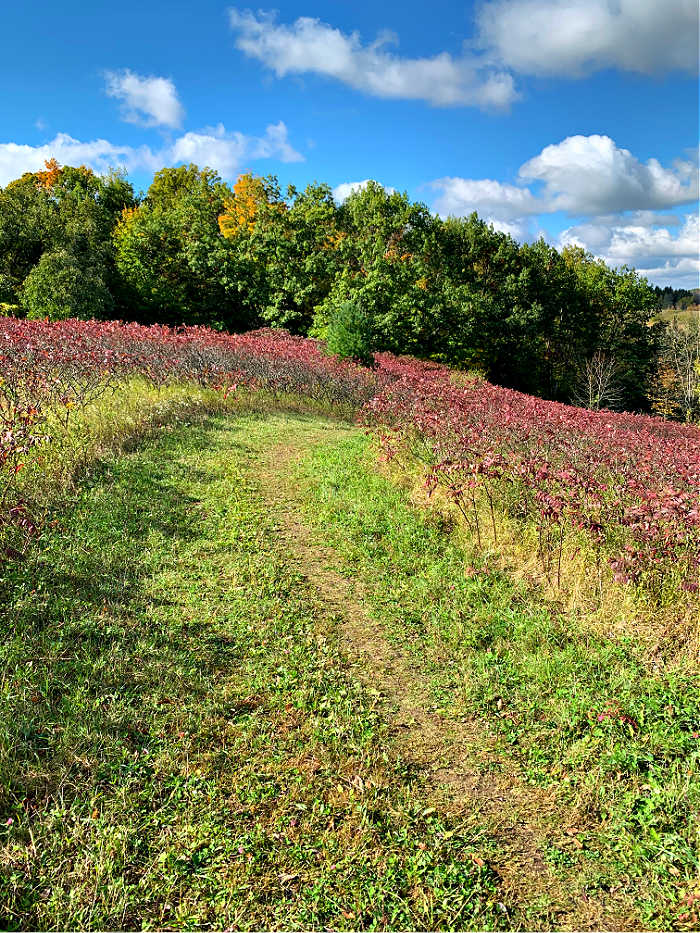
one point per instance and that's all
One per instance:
(680, 299)
(377, 272)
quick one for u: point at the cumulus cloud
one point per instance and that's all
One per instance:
(148, 101)
(508, 208)
(591, 174)
(503, 201)
(582, 175)
(99, 154)
(523, 229)
(656, 252)
(226, 152)
(629, 243)
(343, 191)
(577, 37)
(311, 46)
(684, 273)
(622, 205)
(642, 219)
(625, 242)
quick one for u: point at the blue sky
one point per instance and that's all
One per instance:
(572, 119)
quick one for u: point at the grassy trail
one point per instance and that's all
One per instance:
(577, 748)
(183, 742)
(311, 482)
(244, 685)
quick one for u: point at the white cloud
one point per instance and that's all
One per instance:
(630, 244)
(149, 101)
(99, 154)
(642, 219)
(311, 46)
(521, 228)
(571, 38)
(582, 175)
(275, 145)
(685, 273)
(499, 200)
(343, 191)
(654, 251)
(226, 152)
(591, 174)
(220, 150)
(622, 205)
(577, 37)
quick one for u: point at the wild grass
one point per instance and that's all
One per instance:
(182, 744)
(586, 712)
(571, 574)
(680, 315)
(116, 421)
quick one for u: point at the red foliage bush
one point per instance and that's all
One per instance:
(49, 370)
(632, 483)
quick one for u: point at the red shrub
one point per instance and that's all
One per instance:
(632, 482)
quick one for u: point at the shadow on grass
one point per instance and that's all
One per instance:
(88, 646)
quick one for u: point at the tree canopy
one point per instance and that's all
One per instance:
(195, 250)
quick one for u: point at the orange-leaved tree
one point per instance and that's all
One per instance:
(254, 200)
(49, 178)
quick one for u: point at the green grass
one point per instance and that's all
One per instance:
(182, 743)
(122, 416)
(539, 681)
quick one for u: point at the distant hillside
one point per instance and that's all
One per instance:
(681, 315)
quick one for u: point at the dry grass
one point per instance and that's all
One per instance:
(578, 583)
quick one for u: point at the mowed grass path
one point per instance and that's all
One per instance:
(183, 743)
(245, 684)
(581, 737)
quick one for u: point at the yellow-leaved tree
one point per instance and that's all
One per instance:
(254, 198)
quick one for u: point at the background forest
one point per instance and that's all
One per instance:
(377, 272)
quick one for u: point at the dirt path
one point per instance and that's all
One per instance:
(462, 768)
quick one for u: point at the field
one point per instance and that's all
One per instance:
(681, 316)
(289, 643)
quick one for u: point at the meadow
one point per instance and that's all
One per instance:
(290, 642)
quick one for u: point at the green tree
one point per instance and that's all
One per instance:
(621, 308)
(472, 265)
(172, 256)
(28, 226)
(61, 209)
(349, 333)
(60, 286)
(383, 251)
(285, 248)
